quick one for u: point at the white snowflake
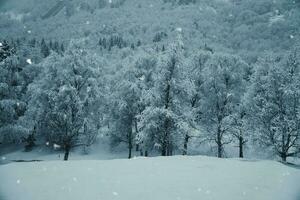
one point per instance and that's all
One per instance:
(115, 194)
(18, 181)
(74, 179)
(1, 45)
(29, 61)
(87, 22)
(291, 36)
(110, 1)
(179, 29)
(3, 158)
(29, 31)
(56, 146)
(47, 143)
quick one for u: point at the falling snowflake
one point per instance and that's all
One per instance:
(87, 22)
(47, 143)
(3, 158)
(207, 192)
(56, 146)
(291, 36)
(179, 29)
(110, 1)
(1, 45)
(199, 189)
(74, 179)
(115, 194)
(29, 31)
(18, 181)
(29, 61)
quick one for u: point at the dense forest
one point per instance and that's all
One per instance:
(160, 77)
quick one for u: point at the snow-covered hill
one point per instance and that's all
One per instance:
(172, 178)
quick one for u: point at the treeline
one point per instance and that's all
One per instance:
(149, 99)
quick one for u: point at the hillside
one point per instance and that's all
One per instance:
(256, 26)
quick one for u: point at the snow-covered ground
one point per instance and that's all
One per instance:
(160, 178)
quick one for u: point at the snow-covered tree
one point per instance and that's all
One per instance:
(274, 103)
(66, 96)
(14, 79)
(163, 122)
(222, 89)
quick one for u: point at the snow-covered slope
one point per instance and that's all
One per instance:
(171, 178)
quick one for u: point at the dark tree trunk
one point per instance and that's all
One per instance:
(185, 145)
(129, 152)
(130, 142)
(137, 147)
(146, 153)
(130, 146)
(141, 153)
(241, 146)
(219, 143)
(283, 157)
(164, 150)
(283, 153)
(66, 156)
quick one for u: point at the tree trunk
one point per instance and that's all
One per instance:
(141, 153)
(66, 156)
(219, 143)
(241, 144)
(130, 142)
(130, 146)
(185, 145)
(137, 147)
(283, 157)
(129, 152)
(146, 153)
(170, 150)
(283, 153)
(164, 150)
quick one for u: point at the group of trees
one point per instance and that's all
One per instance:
(166, 98)
(150, 100)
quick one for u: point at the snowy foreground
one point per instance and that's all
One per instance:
(161, 178)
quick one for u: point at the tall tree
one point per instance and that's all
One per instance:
(222, 88)
(274, 102)
(65, 97)
(163, 123)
